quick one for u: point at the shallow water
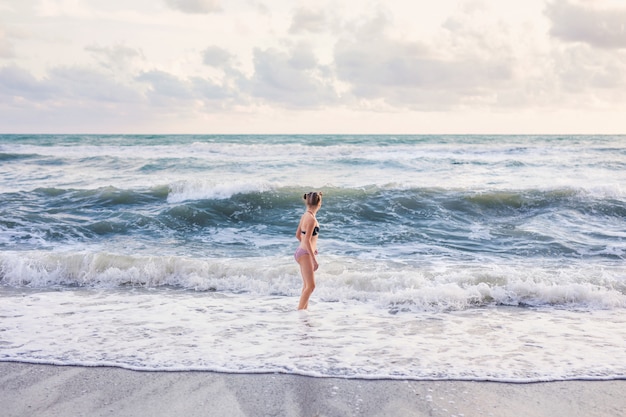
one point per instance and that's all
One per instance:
(181, 330)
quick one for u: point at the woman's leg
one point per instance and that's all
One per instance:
(308, 280)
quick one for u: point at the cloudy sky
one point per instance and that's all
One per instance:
(336, 66)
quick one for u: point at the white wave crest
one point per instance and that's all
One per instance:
(200, 189)
(394, 287)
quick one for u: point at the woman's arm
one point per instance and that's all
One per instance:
(299, 231)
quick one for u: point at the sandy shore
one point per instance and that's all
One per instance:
(44, 390)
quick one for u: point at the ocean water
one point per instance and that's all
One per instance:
(441, 257)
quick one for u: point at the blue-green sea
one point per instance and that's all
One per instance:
(441, 257)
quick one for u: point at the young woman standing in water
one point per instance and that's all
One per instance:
(307, 232)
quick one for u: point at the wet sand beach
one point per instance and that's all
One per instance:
(47, 390)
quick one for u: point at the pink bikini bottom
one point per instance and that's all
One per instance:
(300, 252)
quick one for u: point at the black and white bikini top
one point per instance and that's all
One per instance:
(316, 230)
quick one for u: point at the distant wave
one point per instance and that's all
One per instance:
(8, 157)
(205, 190)
(554, 222)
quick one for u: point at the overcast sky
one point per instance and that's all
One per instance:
(336, 66)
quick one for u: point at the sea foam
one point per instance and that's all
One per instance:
(407, 288)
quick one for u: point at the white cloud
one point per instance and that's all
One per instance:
(18, 83)
(9, 36)
(83, 84)
(217, 57)
(64, 84)
(195, 6)
(6, 46)
(603, 27)
(147, 64)
(117, 57)
(587, 57)
(308, 20)
(414, 74)
(165, 87)
(292, 78)
(168, 91)
(591, 78)
(68, 99)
